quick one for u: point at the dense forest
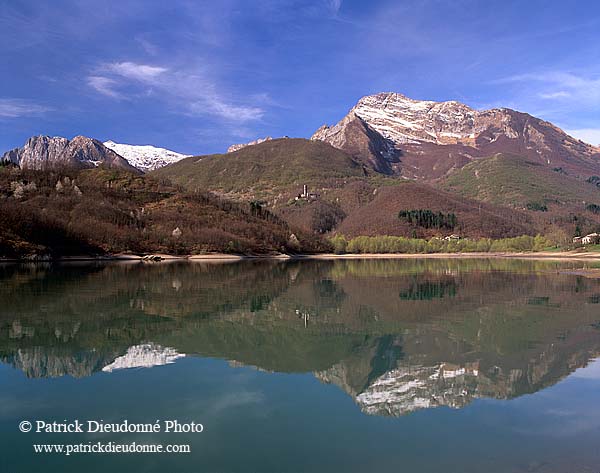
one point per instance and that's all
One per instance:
(429, 219)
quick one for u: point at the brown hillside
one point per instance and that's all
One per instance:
(475, 219)
(100, 211)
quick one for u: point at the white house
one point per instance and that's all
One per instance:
(591, 239)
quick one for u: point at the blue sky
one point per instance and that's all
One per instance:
(196, 76)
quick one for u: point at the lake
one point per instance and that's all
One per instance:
(423, 365)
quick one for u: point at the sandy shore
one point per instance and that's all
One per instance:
(545, 255)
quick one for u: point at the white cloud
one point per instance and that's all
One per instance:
(15, 108)
(589, 135)
(190, 92)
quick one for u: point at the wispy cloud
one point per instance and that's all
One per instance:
(149, 47)
(190, 92)
(335, 6)
(16, 108)
(560, 85)
(212, 104)
(569, 99)
(555, 95)
(104, 85)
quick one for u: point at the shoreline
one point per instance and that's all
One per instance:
(541, 255)
(224, 257)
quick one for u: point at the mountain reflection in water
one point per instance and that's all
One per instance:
(396, 335)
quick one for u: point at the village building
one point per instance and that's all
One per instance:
(591, 239)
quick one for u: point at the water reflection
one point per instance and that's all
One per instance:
(395, 335)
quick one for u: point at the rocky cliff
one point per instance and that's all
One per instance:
(45, 152)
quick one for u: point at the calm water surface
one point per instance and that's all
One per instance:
(350, 366)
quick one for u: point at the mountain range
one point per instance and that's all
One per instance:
(499, 172)
(43, 152)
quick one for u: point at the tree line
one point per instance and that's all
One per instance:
(396, 244)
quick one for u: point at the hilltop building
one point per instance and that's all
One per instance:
(307, 195)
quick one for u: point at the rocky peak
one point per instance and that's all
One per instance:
(34, 154)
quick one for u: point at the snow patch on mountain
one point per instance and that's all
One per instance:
(407, 389)
(145, 157)
(405, 120)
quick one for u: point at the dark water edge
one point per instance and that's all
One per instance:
(342, 365)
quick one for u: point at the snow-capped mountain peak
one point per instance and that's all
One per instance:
(424, 139)
(145, 157)
(146, 355)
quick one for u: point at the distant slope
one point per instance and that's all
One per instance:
(145, 157)
(265, 169)
(510, 180)
(475, 219)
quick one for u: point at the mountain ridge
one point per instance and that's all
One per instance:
(434, 138)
